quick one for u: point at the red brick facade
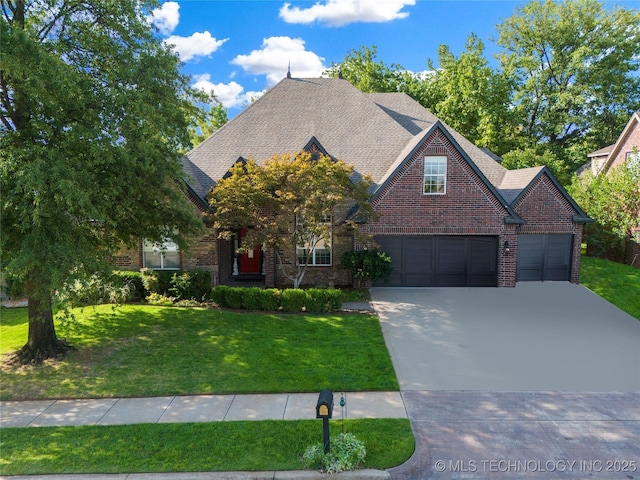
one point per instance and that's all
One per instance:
(469, 207)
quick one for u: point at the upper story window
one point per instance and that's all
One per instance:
(161, 256)
(435, 175)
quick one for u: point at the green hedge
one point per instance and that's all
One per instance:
(315, 300)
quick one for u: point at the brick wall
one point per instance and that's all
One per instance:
(632, 140)
(545, 210)
(467, 208)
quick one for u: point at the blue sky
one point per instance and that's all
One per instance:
(240, 48)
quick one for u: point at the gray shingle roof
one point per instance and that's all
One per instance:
(514, 181)
(371, 131)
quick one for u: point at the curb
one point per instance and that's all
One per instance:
(369, 474)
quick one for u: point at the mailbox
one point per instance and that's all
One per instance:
(324, 407)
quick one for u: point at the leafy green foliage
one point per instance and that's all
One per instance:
(160, 300)
(347, 452)
(286, 203)
(132, 279)
(472, 97)
(207, 119)
(93, 113)
(612, 200)
(367, 265)
(535, 157)
(14, 286)
(360, 68)
(93, 290)
(574, 64)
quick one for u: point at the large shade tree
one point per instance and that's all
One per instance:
(93, 111)
(291, 204)
(575, 67)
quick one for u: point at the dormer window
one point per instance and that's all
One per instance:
(435, 175)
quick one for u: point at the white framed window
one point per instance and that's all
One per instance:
(318, 251)
(160, 256)
(435, 175)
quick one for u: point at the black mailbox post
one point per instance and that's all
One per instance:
(324, 410)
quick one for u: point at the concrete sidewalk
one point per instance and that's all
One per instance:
(196, 408)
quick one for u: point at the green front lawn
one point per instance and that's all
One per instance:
(147, 351)
(615, 282)
(191, 447)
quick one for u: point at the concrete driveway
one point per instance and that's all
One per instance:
(537, 382)
(552, 336)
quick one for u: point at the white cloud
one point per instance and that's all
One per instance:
(275, 56)
(166, 17)
(231, 95)
(338, 13)
(199, 44)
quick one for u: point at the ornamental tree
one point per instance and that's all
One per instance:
(93, 111)
(290, 204)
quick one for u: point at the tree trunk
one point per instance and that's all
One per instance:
(42, 342)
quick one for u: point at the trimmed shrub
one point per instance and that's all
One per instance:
(251, 298)
(294, 300)
(234, 297)
(270, 299)
(315, 300)
(332, 299)
(219, 295)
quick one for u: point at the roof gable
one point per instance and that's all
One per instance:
(580, 215)
(610, 152)
(418, 142)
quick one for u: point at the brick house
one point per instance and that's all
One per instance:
(449, 213)
(625, 149)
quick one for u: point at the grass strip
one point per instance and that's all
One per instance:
(615, 282)
(191, 447)
(140, 350)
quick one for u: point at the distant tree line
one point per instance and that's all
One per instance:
(565, 85)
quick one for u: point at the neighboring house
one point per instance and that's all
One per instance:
(623, 151)
(449, 213)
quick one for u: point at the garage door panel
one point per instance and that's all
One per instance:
(429, 261)
(392, 246)
(545, 257)
(451, 257)
(483, 262)
(418, 261)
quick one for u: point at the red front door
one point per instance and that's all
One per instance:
(251, 260)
